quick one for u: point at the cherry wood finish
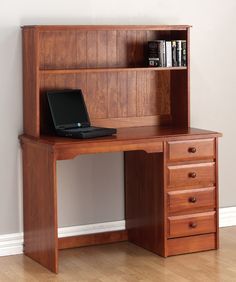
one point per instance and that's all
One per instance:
(144, 211)
(171, 175)
(40, 205)
(191, 244)
(191, 150)
(194, 200)
(92, 239)
(191, 175)
(193, 224)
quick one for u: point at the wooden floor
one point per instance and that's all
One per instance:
(127, 262)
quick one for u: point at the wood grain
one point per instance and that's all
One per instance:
(195, 200)
(191, 150)
(40, 205)
(180, 175)
(191, 224)
(191, 244)
(92, 239)
(144, 200)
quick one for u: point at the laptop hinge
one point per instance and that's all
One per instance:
(73, 125)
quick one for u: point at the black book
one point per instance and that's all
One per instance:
(179, 52)
(184, 53)
(153, 57)
(174, 54)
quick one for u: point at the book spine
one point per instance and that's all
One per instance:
(153, 56)
(184, 53)
(179, 53)
(162, 53)
(168, 54)
(174, 54)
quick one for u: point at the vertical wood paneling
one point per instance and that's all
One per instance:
(111, 48)
(64, 53)
(92, 49)
(100, 98)
(141, 93)
(112, 95)
(122, 94)
(121, 48)
(91, 92)
(102, 48)
(131, 48)
(81, 43)
(140, 51)
(132, 93)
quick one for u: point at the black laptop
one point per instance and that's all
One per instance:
(70, 115)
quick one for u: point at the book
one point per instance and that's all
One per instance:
(174, 54)
(179, 52)
(153, 56)
(156, 53)
(184, 53)
(168, 54)
(162, 52)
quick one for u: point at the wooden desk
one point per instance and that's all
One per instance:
(171, 170)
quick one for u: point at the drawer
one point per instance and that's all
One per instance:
(202, 175)
(191, 150)
(191, 200)
(191, 244)
(193, 224)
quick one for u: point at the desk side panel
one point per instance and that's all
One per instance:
(40, 205)
(145, 200)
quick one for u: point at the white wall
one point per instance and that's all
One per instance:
(213, 98)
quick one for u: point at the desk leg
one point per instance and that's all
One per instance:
(40, 205)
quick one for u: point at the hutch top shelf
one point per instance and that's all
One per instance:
(108, 63)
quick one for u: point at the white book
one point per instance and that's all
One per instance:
(168, 54)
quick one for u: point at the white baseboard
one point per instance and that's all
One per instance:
(227, 217)
(12, 244)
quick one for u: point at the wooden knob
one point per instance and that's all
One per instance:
(192, 150)
(192, 224)
(192, 200)
(192, 174)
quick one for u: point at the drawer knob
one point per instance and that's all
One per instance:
(192, 174)
(192, 199)
(192, 150)
(192, 224)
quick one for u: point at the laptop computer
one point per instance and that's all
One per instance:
(70, 115)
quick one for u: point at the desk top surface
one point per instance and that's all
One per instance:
(128, 134)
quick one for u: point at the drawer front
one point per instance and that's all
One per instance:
(191, 244)
(191, 175)
(191, 150)
(191, 200)
(193, 224)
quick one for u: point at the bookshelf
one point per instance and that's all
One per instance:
(168, 164)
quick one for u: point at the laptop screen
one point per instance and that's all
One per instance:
(67, 107)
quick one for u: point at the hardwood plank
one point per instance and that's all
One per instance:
(40, 205)
(31, 101)
(132, 94)
(122, 95)
(92, 51)
(101, 48)
(109, 69)
(111, 48)
(92, 239)
(106, 27)
(81, 50)
(144, 200)
(121, 50)
(112, 92)
(191, 244)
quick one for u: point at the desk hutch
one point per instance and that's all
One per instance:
(171, 186)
